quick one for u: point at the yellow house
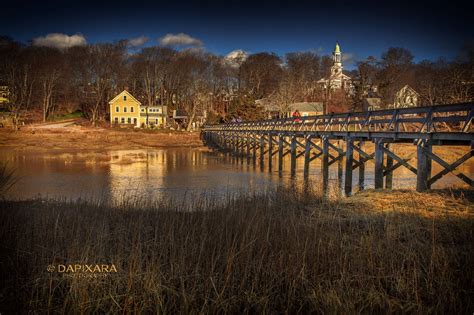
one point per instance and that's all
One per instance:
(127, 110)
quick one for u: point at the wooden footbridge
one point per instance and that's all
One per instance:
(353, 139)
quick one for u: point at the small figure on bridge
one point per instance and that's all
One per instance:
(296, 115)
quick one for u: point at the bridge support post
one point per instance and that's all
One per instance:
(349, 162)
(307, 156)
(389, 176)
(423, 166)
(280, 154)
(340, 152)
(361, 167)
(234, 144)
(243, 146)
(293, 155)
(379, 157)
(262, 150)
(325, 164)
(254, 148)
(270, 151)
(247, 144)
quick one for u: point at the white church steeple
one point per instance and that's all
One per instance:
(337, 66)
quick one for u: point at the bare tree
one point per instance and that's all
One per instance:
(16, 65)
(99, 73)
(50, 66)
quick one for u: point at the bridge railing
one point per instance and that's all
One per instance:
(428, 119)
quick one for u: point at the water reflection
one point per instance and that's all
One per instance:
(168, 173)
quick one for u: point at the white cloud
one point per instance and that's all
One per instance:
(61, 41)
(180, 39)
(138, 41)
(236, 57)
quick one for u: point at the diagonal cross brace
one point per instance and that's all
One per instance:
(400, 161)
(450, 167)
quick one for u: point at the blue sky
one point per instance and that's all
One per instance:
(363, 28)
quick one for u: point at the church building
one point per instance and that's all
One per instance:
(337, 79)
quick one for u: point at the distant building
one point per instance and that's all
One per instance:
(305, 108)
(372, 103)
(406, 97)
(127, 110)
(181, 118)
(337, 79)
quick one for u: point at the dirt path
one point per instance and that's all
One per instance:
(54, 125)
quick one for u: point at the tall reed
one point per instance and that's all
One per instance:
(7, 179)
(284, 252)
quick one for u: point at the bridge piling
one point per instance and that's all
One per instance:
(280, 154)
(293, 156)
(389, 176)
(349, 162)
(325, 164)
(340, 156)
(270, 151)
(307, 156)
(361, 166)
(379, 159)
(423, 166)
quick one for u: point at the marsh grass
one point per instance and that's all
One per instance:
(283, 252)
(7, 179)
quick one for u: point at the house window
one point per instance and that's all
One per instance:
(125, 109)
(131, 109)
(156, 121)
(116, 120)
(143, 110)
(117, 109)
(125, 97)
(134, 121)
(122, 120)
(129, 120)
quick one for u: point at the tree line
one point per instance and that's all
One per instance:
(87, 77)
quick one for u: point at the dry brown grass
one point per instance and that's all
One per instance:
(86, 137)
(281, 253)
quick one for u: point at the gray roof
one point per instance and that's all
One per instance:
(300, 106)
(307, 106)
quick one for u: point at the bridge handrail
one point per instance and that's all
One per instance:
(414, 119)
